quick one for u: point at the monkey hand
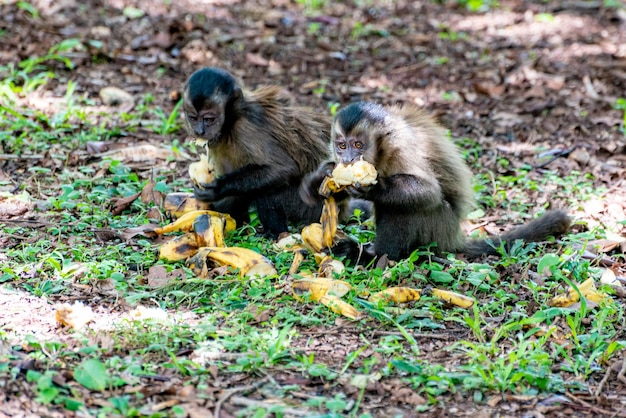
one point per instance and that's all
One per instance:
(206, 192)
(309, 188)
(357, 190)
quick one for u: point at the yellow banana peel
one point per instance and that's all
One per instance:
(312, 236)
(329, 187)
(587, 289)
(329, 221)
(248, 262)
(209, 230)
(453, 298)
(177, 204)
(396, 295)
(341, 307)
(179, 248)
(328, 266)
(317, 287)
(185, 222)
(298, 258)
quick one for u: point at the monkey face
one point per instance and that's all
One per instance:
(349, 149)
(355, 131)
(206, 99)
(205, 123)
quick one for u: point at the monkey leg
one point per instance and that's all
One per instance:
(398, 234)
(271, 214)
(238, 208)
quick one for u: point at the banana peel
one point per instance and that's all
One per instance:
(298, 258)
(329, 221)
(185, 222)
(209, 230)
(317, 287)
(179, 248)
(248, 262)
(396, 295)
(328, 266)
(177, 204)
(453, 298)
(329, 187)
(587, 289)
(342, 307)
(312, 237)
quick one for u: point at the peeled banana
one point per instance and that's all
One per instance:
(177, 204)
(360, 172)
(179, 248)
(201, 172)
(248, 262)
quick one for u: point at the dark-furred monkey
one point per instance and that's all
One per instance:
(423, 190)
(260, 143)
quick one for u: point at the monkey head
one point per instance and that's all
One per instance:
(356, 131)
(207, 102)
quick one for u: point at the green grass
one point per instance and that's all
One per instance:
(510, 342)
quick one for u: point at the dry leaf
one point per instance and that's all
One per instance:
(120, 205)
(256, 59)
(138, 153)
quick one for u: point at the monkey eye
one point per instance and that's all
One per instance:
(192, 117)
(341, 145)
(358, 145)
(208, 119)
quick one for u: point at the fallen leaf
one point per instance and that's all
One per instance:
(256, 59)
(116, 97)
(120, 205)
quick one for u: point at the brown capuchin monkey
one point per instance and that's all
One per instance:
(423, 190)
(260, 143)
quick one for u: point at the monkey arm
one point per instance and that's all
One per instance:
(406, 192)
(311, 183)
(251, 180)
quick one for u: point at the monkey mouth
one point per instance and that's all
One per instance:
(202, 142)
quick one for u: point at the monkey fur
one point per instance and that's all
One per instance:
(261, 145)
(423, 189)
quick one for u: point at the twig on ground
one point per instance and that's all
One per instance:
(230, 392)
(593, 407)
(560, 154)
(285, 410)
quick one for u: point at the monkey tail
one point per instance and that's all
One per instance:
(552, 223)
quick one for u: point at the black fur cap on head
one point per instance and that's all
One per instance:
(350, 116)
(210, 82)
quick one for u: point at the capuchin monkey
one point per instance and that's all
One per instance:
(261, 145)
(423, 190)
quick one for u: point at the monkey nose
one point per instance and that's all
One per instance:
(198, 130)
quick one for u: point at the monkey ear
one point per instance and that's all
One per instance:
(237, 93)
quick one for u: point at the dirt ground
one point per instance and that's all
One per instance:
(533, 83)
